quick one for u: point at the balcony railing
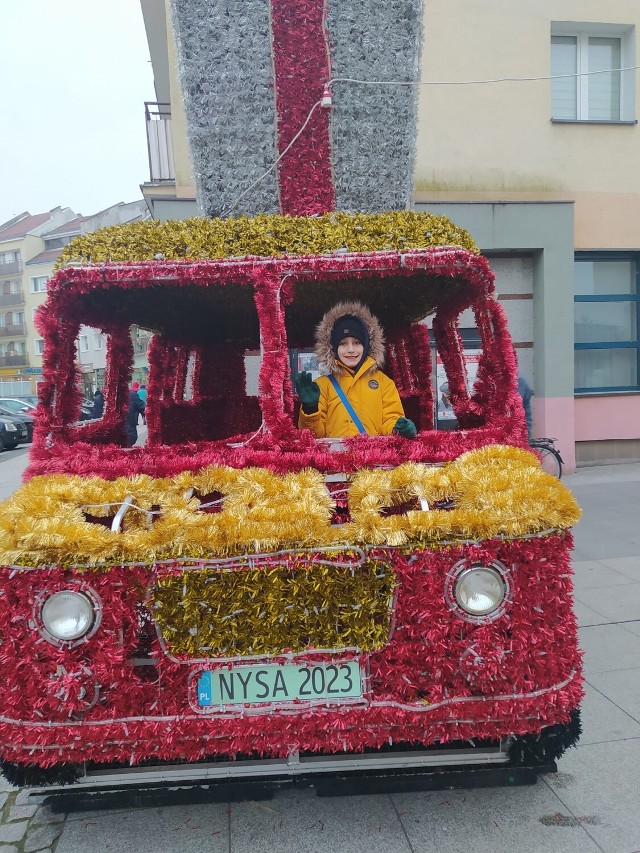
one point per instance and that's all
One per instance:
(159, 141)
(12, 298)
(14, 360)
(11, 268)
(13, 330)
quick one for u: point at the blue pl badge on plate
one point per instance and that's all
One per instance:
(268, 683)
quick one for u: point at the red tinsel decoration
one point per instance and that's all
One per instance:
(493, 409)
(156, 356)
(301, 65)
(118, 697)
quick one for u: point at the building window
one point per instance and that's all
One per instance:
(39, 283)
(83, 343)
(587, 81)
(56, 242)
(607, 344)
(10, 257)
(38, 345)
(97, 340)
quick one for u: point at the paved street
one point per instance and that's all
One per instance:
(592, 804)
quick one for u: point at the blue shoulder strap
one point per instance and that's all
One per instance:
(346, 403)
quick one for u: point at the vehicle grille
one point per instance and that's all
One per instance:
(207, 612)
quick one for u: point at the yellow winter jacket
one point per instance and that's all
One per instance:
(372, 394)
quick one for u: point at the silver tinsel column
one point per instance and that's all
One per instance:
(226, 73)
(374, 126)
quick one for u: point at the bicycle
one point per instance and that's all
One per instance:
(550, 458)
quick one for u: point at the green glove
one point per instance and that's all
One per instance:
(405, 428)
(308, 391)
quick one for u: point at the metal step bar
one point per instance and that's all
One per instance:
(293, 766)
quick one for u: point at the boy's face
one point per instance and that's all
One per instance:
(350, 351)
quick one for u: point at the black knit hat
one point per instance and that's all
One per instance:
(349, 327)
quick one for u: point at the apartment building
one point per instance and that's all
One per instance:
(21, 240)
(528, 137)
(30, 246)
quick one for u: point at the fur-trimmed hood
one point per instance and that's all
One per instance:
(324, 351)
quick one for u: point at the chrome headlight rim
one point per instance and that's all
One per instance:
(87, 595)
(464, 569)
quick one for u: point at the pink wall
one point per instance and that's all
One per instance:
(553, 417)
(596, 418)
(615, 416)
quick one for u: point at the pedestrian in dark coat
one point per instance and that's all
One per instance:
(136, 407)
(97, 410)
(526, 392)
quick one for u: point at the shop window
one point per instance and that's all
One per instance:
(607, 344)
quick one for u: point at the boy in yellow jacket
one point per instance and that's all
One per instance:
(350, 346)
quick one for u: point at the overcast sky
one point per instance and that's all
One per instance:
(74, 76)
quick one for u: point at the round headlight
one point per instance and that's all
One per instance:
(480, 590)
(68, 615)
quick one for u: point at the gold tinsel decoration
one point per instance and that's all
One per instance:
(208, 613)
(267, 235)
(494, 491)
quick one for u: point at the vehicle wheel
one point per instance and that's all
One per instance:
(30, 775)
(551, 461)
(547, 745)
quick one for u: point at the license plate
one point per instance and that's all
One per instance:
(259, 683)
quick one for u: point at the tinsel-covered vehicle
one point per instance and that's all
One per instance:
(254, 602)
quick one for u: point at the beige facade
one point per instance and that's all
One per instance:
(497, 141)
(510, 143)
(36, 277)
(170, 191)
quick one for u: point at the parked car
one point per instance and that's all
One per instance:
(86, 410)
(12, 432)
(22, 406)
(17, 406)
(20, 417)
